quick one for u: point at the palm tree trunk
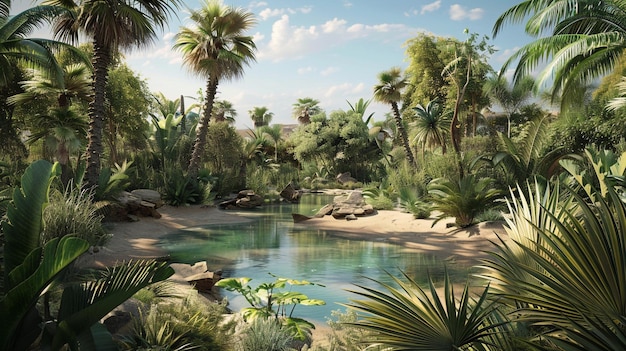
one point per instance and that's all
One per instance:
(101, 61)
(203, 128)
(182, 113)
(402, 132)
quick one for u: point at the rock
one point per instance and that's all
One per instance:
(297, 218)
(344, 178)
(351, 217)
(245, 199)
(149, 196)
(326, 210)
(290, 193)
(201, 279)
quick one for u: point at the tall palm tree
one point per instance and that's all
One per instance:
(223, 111)
(111, 25)
(304, 109)
(431, 125)
(510, 98)
(214, 47)
(389, 91)
(261, 116)
(587, 38)
(275, 134)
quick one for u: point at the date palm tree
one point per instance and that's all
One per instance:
(510, 98)
(275, 134)
(587, 38)
(261, 116)
(217, 48)
(111, 26)
(389, 91)
(304, 109)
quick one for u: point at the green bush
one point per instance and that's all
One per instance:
(265, 335)
(463, 199)
(73, 213)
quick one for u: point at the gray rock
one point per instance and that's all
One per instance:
(344, 178)
(290, 193)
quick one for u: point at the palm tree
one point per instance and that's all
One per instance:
(510, 98)
(431, 126)
(588, 37)
(111, 25)
(223, 111)
(274, 133)
(76, 84)
(389, 91)
(214, 47)
(261, 116)
(304, 109)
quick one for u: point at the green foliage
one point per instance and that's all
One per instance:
(344, 334)
(340, 143)
(408, 317)
(269, 301)
(265, 335)
(412, 203)
(463, 199)
(190, 324)
(563, 267)
(223, 157)
(73, 213)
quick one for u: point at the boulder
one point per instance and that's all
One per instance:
(290, 193)
(348, 206)
(138, 203)
(344, 178)
(149, 195)
(245, 199)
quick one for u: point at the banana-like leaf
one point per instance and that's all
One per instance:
(23, 228)
(85, 304)
(53, 258)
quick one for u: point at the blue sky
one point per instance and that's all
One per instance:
(329, 50)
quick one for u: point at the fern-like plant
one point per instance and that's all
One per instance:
(463, 199)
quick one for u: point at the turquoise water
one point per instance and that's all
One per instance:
(272, 244)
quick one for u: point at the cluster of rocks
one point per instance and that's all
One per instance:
(134, 204)
(245, 199)
(347, 207)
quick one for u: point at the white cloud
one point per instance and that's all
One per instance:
(168, 36)
(459, 13)
(305, 70)
(347, 4)
(270, 13)
(433, 6)
(258, 4)
(328, 71)
(294, 42)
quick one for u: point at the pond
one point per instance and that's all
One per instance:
(272, 244)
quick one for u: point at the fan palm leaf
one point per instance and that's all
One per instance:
(409, 318)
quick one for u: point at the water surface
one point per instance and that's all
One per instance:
(271, 244)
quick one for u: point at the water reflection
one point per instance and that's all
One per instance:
(271, 244)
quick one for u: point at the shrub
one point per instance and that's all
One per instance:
(463, 199)
(265, 335)
(73, 213)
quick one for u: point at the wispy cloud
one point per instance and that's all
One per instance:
(433, 6)
(328, 71)
(270, 13)
(459, 13)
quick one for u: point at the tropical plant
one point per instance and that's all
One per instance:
(563, 269)
(410, 201)
(407, 318)
(462, 199)
(269, 302)
(304, 109)
(112, 26)
(360, 107)
(223, 111)
(599, 171)
(261, 116)
(510, 98)
(265, 335)
(389, 90)
(431, 126)
(586, 41)
(523, 158)
(274, 133)
(30, 267)
(216, 48)
(73, 212)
